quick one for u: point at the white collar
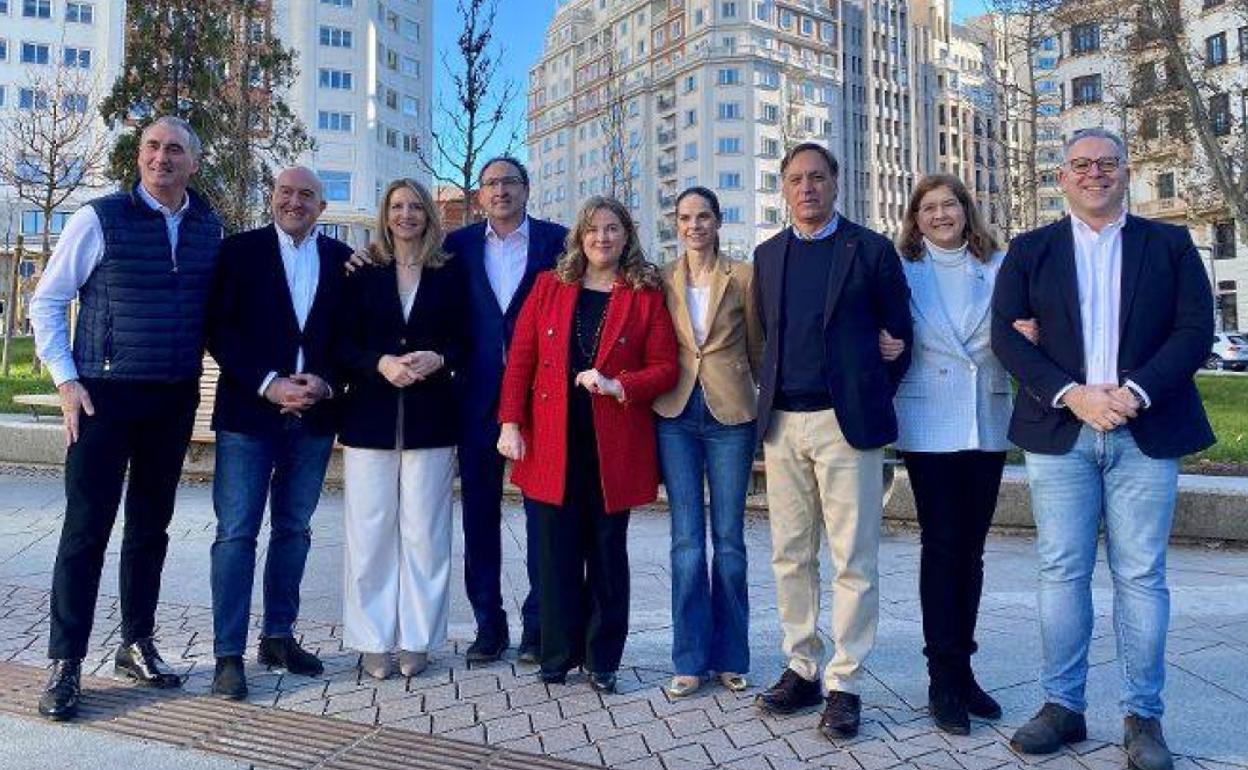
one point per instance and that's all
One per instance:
(285, 239)
(1080, 225)
(522, 230)
(151, 201)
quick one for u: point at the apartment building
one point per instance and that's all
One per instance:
(642, 98)
(82, 40)
(364, 91)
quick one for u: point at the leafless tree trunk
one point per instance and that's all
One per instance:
(465, 125)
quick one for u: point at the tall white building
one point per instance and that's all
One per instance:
(84, 39)
(713, 92)
(364, 92)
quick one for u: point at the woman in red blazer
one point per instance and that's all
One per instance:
(593, 348)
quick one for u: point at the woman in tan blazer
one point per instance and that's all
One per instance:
(706, 435)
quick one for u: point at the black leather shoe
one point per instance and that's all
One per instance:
(228, 680)
(791, 694)
(947, 706)
(553, 677)
(59, 700)
(603, 681)
(487, 648)
(1145, 745)
(285, 652)
(979, 703)
(530, 650)
(1049, 729)
(140, 661)
(841, 716)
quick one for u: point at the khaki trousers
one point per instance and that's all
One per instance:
(814, 477)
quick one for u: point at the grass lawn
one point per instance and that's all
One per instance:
(20, 379)
(1226, 401)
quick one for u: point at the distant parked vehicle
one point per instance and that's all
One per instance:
(1230, 351)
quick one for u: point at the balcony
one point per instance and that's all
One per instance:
(666, 103)
(667, 168)
(1162, 208)
(667, 200)
(666, 234)
(667, 136)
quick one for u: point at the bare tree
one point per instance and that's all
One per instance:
(464, 126)
(52, 145)
(621, 153)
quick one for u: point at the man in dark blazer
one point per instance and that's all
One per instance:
(1106, 407)
(271, 330)
(825, 288)
(500, 256)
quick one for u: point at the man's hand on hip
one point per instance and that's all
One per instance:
(74, 399)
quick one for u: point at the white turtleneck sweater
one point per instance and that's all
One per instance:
(952, 278)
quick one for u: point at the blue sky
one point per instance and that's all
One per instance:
(520, 27)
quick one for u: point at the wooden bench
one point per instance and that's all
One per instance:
(36, 401)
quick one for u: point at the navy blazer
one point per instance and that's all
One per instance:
(866, 292)
(491, 327)
(372, 326)
(1165, 328)
(253, 330)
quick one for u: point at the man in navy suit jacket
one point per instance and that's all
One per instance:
(824, 289)
(271, 326)
(1105, 408)
(500, 256)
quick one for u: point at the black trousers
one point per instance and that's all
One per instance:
(955, 494)
(582, 578)
(143, 428)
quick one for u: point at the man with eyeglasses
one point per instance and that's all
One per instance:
(501, 257)
(1106, 407)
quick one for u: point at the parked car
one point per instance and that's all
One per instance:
(1230, 351)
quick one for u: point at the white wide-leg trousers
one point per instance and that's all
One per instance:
(397, 568)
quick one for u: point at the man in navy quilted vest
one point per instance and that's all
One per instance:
(140, 263)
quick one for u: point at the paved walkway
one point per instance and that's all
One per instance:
(504, 705)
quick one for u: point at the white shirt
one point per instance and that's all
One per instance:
(505, 260)
(698, 299)
(78, 252)
(1098, 263)
(302, 265)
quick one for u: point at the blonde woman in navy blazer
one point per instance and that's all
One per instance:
(953, 407)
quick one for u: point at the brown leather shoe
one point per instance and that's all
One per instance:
(1049, 730)
(791, 694)
(1145, 745)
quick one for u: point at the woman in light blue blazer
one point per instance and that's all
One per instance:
(953, 407)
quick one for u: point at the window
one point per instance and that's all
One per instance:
(34, 53)
(337, 185)
(1215, 50)
(32, 99)
(1165, 185)
(1224, 239)
(769, 181)
(77, 58)
(411, 30)
(4, 50)
(80, 13)
(74, 102)
(729, 111)
(691, 84)
(4, 7)
(32, 222)
(691, 151)
(411, 106)
(1243, 43)
(732, 215)
(771, 113)
(730, 180)
(768, 78)
(1150, 126)
(728, 145)
(410, 66)
(2, 101)
(770, 148)
(335, 121)
(729, 77)
(335, 37)
(1085, 38)
(1086, 90)
(37, 9)
(338, 80)
(728, 10)
(339, 3)
(1220, 114)
(691, 117)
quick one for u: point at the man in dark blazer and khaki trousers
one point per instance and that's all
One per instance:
(1106, 407)
(825, 287)
(500, 257)
(271, 327)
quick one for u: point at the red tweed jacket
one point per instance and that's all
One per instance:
(638, 347)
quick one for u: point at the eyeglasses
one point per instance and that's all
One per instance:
(1108, 164)
(502, 181)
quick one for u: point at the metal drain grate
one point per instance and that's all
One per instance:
(263, 737)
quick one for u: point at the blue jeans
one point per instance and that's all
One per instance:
(291, 466)
(710, 616)
(1103, 478)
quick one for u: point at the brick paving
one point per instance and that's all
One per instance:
(504, 706)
